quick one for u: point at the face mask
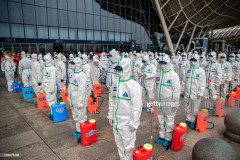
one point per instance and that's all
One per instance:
(201, 59)
(163, 66)
(237, 59)
(193, 64)
(73, 67)
(211, 58)
(231, 58)
(183, 58)
(110, 59)
(119, 74)
(222, 59)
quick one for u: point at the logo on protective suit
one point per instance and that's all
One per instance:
(168, 82)
(197, 75)
(115, 88)
(157, 78)
(149, 70)
(125, 94)
(188, 71)
(75, 81)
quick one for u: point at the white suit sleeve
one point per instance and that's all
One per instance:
(218, 76)
(63, 68)
(202, 83)
(52, 80)
(175, 86)
(151, 74)
(20, 67)
(111, 100)
(229, 73)
(184, 81)
(136, 99)
(82, 89)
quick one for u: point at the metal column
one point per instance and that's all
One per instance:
(179, 40)
(190, 40)
(164, 27)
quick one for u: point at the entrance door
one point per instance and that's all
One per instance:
(58, 47)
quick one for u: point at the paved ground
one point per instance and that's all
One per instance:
(26, 130)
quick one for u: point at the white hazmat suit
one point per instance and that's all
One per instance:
(37, 73)
(25, 70)
(10, 69)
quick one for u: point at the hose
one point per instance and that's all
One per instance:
(163, 157)
(212, 125)
(104, 138)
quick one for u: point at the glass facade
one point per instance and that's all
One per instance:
(85, 25)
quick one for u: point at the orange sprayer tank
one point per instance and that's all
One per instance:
(231, 100)
(92, 106)
(143, 153)
(219, 107)
(178, 138)
(237, 94)
(97, 89)
(41, 101)
(64, 93)
(202, 120)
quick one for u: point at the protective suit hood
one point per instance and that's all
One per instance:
(196, 56)
(146, 58)
(47, 59)
(71, 57)
(125, 64)
(34, 57)
(115, 55)
(166, 58)
(95, 59)
(84, 58)
(40, 56)
(214, 54)
(78, 64)
(23, 54)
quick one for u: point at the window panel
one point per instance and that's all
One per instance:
(117, 36)
(4, 12)
(110, 24)
(52, 17)
(90, 35)
(63, 33)
(123, 25)
(72, 5)
(81, 20)
(128, 26)
(97, 24)
(29, 14)
(97, 35)
(28, 1)
(42, 32)
(82, 34)
(73, 34)
(117, 25)
(103, 12)
(123, 37)
(15, 12)
(53, 33)
(41, 14)
(104, 36)
(30, 31)
(4, 30)
(52, 3)
(40, 2)
(72, 18)
(81, 6)
(62, 18)
(89, 6)
(17, 30)
(62, 4)
(104, 23)
(89, 21)
(96, 8)
(111, 36)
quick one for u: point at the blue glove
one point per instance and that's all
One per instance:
(3, 72)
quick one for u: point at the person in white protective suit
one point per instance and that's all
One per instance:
(237, 58)
(125, 110)
(113, 62)
(70, 71)
(213, 80)
(40, 60)
(153, 60)
(235, 70)
(79, 54)
(25, 70)
(147, 81)
(168, 94)
(183, 66)
(9, 69)
(61, 72)
(49, 82)
(194, 84)
(87, 69)
(174, 62)
(226, 75)
(95, 74)
(203, 63)
(37, 75)
(77, 95)
(137, 68)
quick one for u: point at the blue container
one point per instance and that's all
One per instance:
(17, 87)
(67, 77)
(105, 79)
(6, 84)
(59, 113)
(57, 89)
(27, 92)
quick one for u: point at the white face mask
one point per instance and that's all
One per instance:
(163, 66)
(222, 59)
(231, 58)
(73, 67)
(119, 74)
(193, 64)
(211, 58)
(183, 58)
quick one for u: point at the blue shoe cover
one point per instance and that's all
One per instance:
(143, 109)
(192, 125)
(166, 143)
(148, 110)
(60, 98)
(211, 111)
(159, 140)
(49, 115)
(181, 95)
(35, 103)
(187, 123)
(76, 134)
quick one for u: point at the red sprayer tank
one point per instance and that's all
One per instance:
(178, 138)
(231, 100)
(143, 153)
(237, 90)
(202, 120)
(88, 132)
(97, 89)
(64, 93)
(219, 107)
